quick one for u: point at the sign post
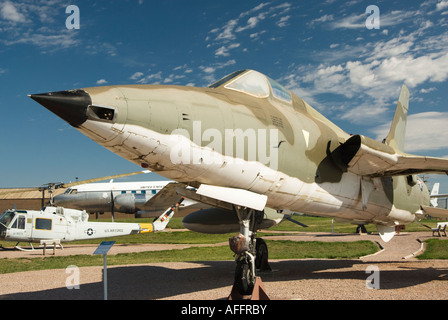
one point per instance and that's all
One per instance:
(103, 249)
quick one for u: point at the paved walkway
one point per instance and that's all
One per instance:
(403, 245)
(308, 279)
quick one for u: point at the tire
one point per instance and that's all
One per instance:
(261, 252)
(244, 280)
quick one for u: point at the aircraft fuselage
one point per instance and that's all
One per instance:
(276, 145)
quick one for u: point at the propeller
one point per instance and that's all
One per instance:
(112, 205)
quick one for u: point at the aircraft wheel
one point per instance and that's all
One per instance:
(261, 253)
(244, 279)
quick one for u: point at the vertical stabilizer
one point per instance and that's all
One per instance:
(397, 132)
(435, 192)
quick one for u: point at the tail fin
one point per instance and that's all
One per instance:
(434, 192)
(397, 132)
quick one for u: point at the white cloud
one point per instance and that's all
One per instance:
(251, 23)
(357, 21)
(350, 22)
(9, 12)
(136, 76)
(47, 41)
(442, 5)
(210, 70)
(283, 22)
(424, 132)
(360, 73)
(224, 50)
(227, 33)
(369, 74)
(234, 28)
(101, 81)
(324, 18)
(154, 78)
(423, 90)
(35, 23)
(414, 71)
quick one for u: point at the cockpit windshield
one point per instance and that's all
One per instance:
(255, 84)
(226, 79)
(279, 92)
(7, 217)
(252, 82)
(71, 191)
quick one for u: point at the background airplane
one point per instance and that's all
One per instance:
(309, 164)
(138, 198)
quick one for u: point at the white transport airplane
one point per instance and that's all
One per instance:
(136, 198)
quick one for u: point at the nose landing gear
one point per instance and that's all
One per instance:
(251, 253)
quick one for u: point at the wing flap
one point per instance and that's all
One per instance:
(239, 197)
(225, 198)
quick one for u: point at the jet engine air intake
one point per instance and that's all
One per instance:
(100, 113)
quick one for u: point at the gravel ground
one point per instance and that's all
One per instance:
(401, 275)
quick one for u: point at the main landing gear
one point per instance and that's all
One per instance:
(251, 253)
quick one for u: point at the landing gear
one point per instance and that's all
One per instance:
(251, 252)
(245, 274)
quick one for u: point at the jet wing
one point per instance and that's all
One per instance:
(367, 157)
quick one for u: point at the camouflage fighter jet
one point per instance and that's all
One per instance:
(256, 153)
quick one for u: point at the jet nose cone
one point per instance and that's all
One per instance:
(69, 105)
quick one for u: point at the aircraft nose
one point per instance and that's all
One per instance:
(70, 105)
(60, 200)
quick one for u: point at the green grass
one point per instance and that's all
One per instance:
(277, 250)
(435, 249)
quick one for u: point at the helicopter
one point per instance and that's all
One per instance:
(65, 225)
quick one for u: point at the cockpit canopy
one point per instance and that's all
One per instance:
(255, 84)
(7, 217)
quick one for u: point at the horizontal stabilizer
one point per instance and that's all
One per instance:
(367, 157)
(435, 212)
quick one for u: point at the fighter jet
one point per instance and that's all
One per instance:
(257, 153)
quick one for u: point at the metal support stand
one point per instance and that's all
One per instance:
(103, 249)
(258, 293)
(105, 275)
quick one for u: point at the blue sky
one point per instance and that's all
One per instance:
(320, 50)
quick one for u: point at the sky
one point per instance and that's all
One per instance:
(333, 54)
